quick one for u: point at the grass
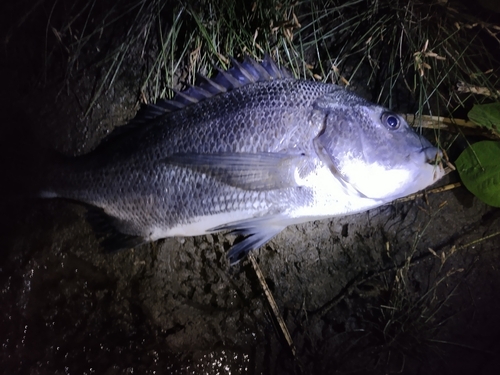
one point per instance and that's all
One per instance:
(396, 52)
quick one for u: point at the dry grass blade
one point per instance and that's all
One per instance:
(479, 240)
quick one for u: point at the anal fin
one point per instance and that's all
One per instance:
(107, 230)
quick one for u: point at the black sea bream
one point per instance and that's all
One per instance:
(252, 150)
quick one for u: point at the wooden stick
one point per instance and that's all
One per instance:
(432, 191)
(272, 303)
(447, 123)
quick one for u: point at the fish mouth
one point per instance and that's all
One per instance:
(432, 154)
(435, 157)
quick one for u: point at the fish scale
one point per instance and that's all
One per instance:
(251, 150)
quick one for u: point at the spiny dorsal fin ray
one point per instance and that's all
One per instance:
(210, 85)
(198, 92)
(184, 97)
(256, 69)
(240, 74)
(230, 80)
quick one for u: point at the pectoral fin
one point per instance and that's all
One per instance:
(249, 171)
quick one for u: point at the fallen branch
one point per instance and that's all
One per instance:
(432, 191)
(273, 304)
(448, 124)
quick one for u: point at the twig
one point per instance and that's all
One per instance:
(272, 303)
(432, 191)
(447, 123)
(473, 89)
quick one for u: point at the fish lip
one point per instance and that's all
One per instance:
(435, 158)
(432, 154)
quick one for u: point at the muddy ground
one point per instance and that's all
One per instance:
(360, 294)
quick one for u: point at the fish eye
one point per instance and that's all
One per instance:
(391, 120)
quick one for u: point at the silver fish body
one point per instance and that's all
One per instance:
(253, 151)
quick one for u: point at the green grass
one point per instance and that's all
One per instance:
(418, 50)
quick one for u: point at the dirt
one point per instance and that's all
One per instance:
(360, 294)
(177, 307)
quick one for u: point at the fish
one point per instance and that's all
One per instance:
(250, 151)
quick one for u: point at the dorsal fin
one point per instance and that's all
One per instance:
(210, 85)
(274, 71)
(230, 80)
(240, 74)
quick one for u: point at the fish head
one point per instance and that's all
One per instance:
(374, 151)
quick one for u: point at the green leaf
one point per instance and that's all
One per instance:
(487, 115)
(479, 169)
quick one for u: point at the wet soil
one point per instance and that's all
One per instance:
(359, 294)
